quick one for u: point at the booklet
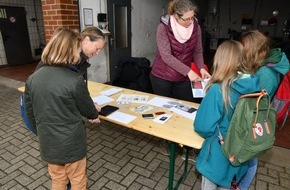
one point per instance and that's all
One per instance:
(198, 88)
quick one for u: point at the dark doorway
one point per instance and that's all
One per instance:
(15, 36)
(119, 18)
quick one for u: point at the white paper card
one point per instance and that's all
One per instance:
(159, 102)
(102, 99)
(121, 117)
(162, 118)
(111, 91)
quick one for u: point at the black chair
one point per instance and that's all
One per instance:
(134, 74)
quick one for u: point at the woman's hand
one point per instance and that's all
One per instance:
(204, 74)
(193, 76)
(97, 120)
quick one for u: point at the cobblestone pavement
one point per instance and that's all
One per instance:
(118, 158)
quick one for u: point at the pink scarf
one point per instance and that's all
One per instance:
(181, 33)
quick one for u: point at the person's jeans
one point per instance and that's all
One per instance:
(208, 185)
(75, 173)
(246, 181)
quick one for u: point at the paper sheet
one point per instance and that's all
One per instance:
(160, 102)
(121, 117)
(102, 99)
(141, 108)
(184, 113)
(134, 98)
(198, 88)
(176, 107)
(111, 91)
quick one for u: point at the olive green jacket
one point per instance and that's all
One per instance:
(56, 98)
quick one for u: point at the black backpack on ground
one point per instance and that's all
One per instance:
(134, 74)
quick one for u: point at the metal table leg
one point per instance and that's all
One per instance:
(171, 167)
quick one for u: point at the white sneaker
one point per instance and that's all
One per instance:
(164, 146)
(192, 154)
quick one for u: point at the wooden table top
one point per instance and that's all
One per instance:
(177, 129)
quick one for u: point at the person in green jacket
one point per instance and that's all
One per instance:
(227, 84)
(56, 100)
(270, 65)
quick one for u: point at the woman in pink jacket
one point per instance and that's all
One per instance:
(179, 44)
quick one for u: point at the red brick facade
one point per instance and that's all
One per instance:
(59, 13)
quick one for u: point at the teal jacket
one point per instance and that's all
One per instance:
(272, 70)
(211, 161)
(56, 99)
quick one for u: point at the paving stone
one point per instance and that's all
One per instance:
(115, 186)
(8, 185)
(268, 179)
(42, 172)
(98, 184)
(262, 170)
(146, 181)
(120, 146)
(129, 179)
(287, 170)
(110, 158)
(19, 158)
(127, 169)
(114, 176)
(31, 160)
(112, 167)
(24, 180)
(4, 165)
(134, 186)
(97, 165)
(153, 164)
(275, 187)
(139, 162)
(136, 154)
(142, 171)
(14, 167)
(27, 169)
(162, 183)
(261, 185)
(285, 175)
(96, 153)
(17, 187)
(285, 183)
(23, 149)
(274, 167)
(98, 174)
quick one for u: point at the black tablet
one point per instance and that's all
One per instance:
(107, 110)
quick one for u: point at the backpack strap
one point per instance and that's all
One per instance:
(262, 92)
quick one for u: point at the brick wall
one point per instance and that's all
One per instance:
(59, 13)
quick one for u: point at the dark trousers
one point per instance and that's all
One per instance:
(179, 90)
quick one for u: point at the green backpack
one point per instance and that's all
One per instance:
(252, 129)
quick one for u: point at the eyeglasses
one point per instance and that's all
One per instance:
(187, 19)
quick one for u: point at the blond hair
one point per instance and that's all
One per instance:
(93, 33)
(180, 7)
(228, 60)
(257, 47)
(63, 48)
